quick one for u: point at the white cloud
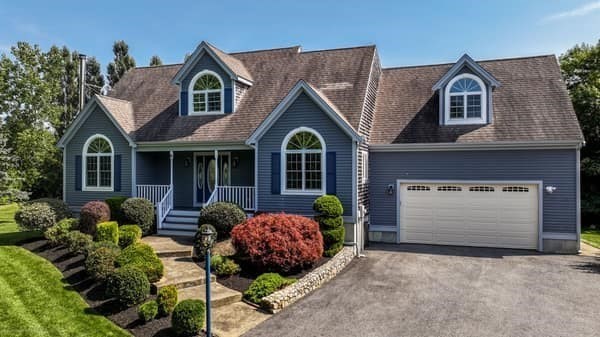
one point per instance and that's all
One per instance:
(579, 11)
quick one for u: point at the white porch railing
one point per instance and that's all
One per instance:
(242, 195)
(163, 207)
(161, 196)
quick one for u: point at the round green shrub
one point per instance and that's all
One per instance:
(265, 285)
(148, 311)
(108, 231)
(223, 266)
(330, 222)
(143, 257)
(129, 285)
(223, 216)
(188, 317)
(91, 214)
(166, 299)
(41, 214)
(100, 262)
(333, 239)
(56, 234)
(328, 205)
(129, 234)
(78, 242)
(139, 211)
(114, 204)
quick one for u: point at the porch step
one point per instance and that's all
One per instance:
(182, 272)
(181, 219)
(219, 295)
(176, 232)
(184, 213)
(180, 226)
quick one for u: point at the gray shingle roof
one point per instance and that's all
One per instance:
(532, 104)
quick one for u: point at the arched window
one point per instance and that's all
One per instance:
(303, 162)
(206, 93)
(98, 164)
(465, 100)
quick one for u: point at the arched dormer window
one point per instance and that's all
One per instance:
(303, 162)
(206, 93)
(466, 100)
(98, 164)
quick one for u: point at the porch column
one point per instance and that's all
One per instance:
(171, 168)
(216, 169)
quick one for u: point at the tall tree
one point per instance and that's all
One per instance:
(9, 185)
(121, 63)
(155, 61)
(580, 66)
(93, 78)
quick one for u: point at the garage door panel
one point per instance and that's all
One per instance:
(490, 215)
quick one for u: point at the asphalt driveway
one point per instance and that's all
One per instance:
(417, 290)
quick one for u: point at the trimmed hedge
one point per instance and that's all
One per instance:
(331, 223)
(279, 242)
(224, 266)
(166, 300)
(78, 242)
(129, 234)
(41, 214)
(56, 234)
(129, 285)
(114, 204)
(265, 285)
(108, 231)
(223, 216)
(143, 257)
(93, 213)
(139, 211)
(188, 317)
(148, 311)
(100, 262)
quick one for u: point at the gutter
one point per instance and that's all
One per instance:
(406, 147)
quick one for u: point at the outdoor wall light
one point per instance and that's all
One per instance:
(390, 189)
(550, 189)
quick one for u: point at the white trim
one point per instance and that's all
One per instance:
(354, 183)
(232, 96)
(483, 102)
(465, 59)
(298, 89)
(578, 197)
(196, 203)
(284, 151)
(64, 167)
(84, 155)
(365, 167)
(532, 145)
(256, 177)
(191, 93)
(382, 229)
(133, 172)
(560, 236)
(539, 183)
(191, 146)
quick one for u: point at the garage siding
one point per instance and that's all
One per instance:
(553, 167)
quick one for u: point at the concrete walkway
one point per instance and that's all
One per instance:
(587, 250)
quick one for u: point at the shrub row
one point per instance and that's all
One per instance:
(41, 214)
(129, 234)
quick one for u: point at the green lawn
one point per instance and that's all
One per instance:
(33, 299)
(591, 237)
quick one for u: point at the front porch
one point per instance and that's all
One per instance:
(179, 183)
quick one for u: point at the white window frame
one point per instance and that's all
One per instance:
(85, 155)
(284, 152)
(465, 119)
(191, 93)
(365, 167)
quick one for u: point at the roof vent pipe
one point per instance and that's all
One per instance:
(82, 61)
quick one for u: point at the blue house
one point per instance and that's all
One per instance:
(475, 153)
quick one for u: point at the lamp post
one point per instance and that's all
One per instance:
(208, 237)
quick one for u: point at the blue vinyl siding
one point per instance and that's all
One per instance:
(96, 123)
(303, 112)
(206, 63)
(553, 167)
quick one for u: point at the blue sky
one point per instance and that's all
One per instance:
(406, 33)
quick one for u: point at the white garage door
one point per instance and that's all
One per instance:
(484, 215)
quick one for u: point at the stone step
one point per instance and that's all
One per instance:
(176, 212)
(182, 272)
(167, 246)
(219, 295)
(176, 233)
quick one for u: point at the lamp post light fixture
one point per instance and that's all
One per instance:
(208, 236)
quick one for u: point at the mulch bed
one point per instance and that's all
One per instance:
(75, 278)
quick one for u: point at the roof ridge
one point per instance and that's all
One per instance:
(113, 98)
(264, 50)
(341, 48)
(478, 61)
(159, 66)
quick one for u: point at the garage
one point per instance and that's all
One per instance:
(482, 214)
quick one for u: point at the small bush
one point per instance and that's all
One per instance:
(326, 223)
(331, 223)
(129, 285)
(265, 285)
(328, 205)
(56, 234)
(148, 311)
(143, 257)
(223, 216)
(93, 213)
(100, 262)
(279, 242)
(114, 204)
(166, 299)
(139, 211)
(129, 234)
(41, 214)
(108, 231)
(224, 266)
(188, 317)
(333, 239)
(78, 242)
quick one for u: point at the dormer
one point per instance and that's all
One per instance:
(465, 94)
(211, 82)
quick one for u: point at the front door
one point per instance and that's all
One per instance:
(205, 175)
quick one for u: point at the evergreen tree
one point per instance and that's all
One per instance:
(121, 64)
(9, 186)
(155, 61)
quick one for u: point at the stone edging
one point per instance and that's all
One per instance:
(311, 281)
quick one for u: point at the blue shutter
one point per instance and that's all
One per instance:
(78, 173)
(117, 184)
(331, 184)
(183, 103)
(228, 100)
(275, 173)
